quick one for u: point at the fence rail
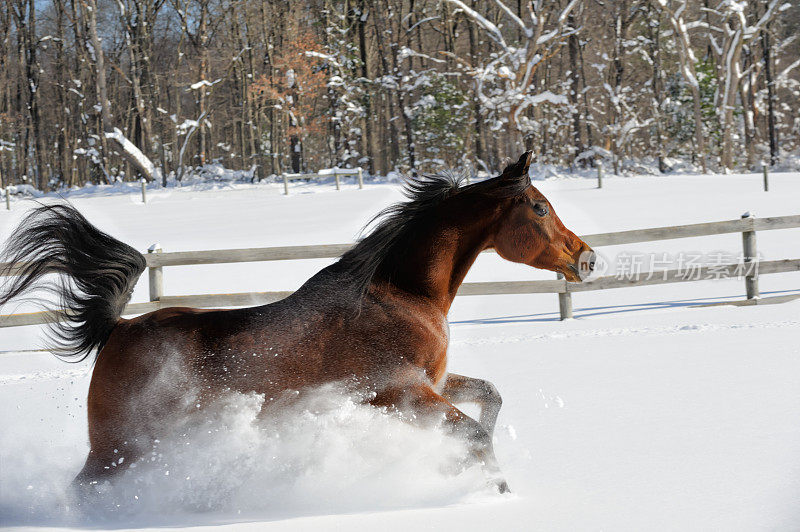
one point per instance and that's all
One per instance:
(747, 225)
(337, 174)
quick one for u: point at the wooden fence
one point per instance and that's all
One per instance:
(747, 226)
(337, 174)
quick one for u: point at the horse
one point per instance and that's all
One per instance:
(376, 319)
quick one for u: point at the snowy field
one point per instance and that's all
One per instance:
(646, 412)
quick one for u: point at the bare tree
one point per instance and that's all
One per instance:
(128, 150)
(542, 31)
(735, 32)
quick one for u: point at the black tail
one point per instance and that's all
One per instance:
(96, 275)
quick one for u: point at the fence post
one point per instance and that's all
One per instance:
(750, 260)
(336, 177)
(144, 190)
(766, 176)
(564, 300)
(156, 276)
(599, 174)
(360, 178)
(285, 185)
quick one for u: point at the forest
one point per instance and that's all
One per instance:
(98, 91)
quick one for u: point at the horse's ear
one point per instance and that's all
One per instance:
(519, 168)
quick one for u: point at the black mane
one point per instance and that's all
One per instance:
(383, 246)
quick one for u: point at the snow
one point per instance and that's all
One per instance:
(325, 57)
(341, 171)
(644, 412)
(548, 96)
(203, 83)
(187, 125)
(406, 52)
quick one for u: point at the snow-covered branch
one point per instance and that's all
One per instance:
(132, 153)
(492, 30)
(510, 14)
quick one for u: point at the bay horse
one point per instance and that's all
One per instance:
(376, 319)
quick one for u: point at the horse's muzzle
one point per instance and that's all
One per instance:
(584, 265)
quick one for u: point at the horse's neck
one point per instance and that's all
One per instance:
(443, 254)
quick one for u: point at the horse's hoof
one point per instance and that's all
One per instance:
(502, 486)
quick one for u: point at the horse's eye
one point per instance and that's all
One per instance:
(540, 209)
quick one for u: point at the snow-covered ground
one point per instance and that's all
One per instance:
(645, 412)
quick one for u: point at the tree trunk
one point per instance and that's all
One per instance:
(773, 143)
(748, 108)
(296, 153)
(370, 140)
(104, 117)
(63, 159)
(587, 117)
(480, 151)
(730, 83)
(202, 146)
(135, 36)
(27, 44)
(574, 91)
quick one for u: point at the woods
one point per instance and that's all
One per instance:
(105, 90)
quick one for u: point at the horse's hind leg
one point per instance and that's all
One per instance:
(461, 389)
(101, 466)
(421, 401)
(113, 446)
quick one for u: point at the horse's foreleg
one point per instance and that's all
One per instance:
(422, 402)
(461, 389)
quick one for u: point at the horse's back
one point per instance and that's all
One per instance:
(197, 344)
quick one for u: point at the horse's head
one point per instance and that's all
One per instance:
(530, 231)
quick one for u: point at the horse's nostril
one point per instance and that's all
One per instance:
(586, 263)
